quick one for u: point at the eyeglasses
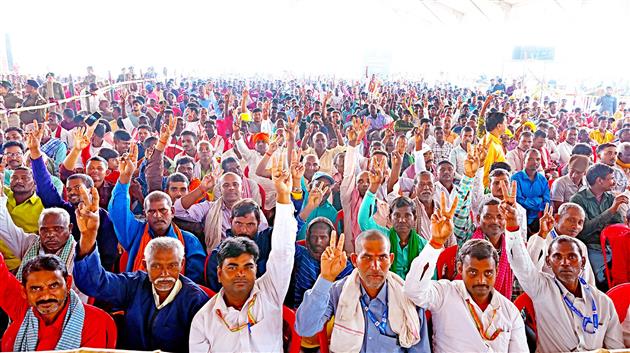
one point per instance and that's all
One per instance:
(13, 154)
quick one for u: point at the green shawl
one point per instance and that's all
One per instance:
(414, 249)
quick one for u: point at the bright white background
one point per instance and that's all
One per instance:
(336, 37)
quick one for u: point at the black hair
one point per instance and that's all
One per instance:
(97, 159)
(14, 128)
(493, 120)
(603, 146)
(188, 132)
(122, 135)
(13, 144)
(176, 178)
(184, 160)
(244, 207)
(500, 165)
(597, 171)
(490, 201)
(44, 263)
(402, 201)
(87, 180)
(108, 153)
(69, 113)
(226, 161)
(479, 249)
(235, 247)
(144, 126)
(583, 149)
(442, 162)
(540, 133)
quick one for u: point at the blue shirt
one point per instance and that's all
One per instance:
(129, 231)
(306, 271)
(145, 327)
(105, 238)
(532, 195)
(320, 303)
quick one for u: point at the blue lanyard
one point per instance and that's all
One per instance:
(380, 325)
(553, 233)
(585, 319)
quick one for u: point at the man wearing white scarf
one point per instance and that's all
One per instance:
(371, 312)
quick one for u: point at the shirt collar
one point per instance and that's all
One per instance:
(463, 292)
(171, 296)
(381, 296)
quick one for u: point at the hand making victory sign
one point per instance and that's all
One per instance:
(334, 258)
(442, 222)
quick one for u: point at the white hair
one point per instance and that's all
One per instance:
(63, 214)
(157, 196)
(568, 205)
(164, 243)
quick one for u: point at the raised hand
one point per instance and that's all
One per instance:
(297, 167)
(81, 139)
(509, 197)
(167, 130)
(546, 222)
(397, 158)
(282, 179)
(88, 218)
(442, 221)
(236, 126)
(418, 135)
(316, 193)
(376, 177)
(210, 180)
(273, 147)
(473, 160)
(333, 259)
(34, 139)
(127, 165)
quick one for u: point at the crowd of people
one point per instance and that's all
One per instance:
(189, 214)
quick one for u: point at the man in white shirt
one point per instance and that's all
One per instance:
(246, 314)
(469, 315)
(570, 314)
(568, 221)
(565, 147)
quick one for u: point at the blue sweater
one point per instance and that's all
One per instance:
(105, 238)
(145, 327)
(129, 231)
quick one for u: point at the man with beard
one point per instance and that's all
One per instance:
(219, 325)
(134, 235)
(106, 236)
(159, 301)
(22, 202)
(189, 144)
(569, 221)
(48, 315)
(571, 315)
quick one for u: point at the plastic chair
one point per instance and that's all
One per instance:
(288, 316)
(620, 296)
(122, 264)
(523, 301)
(618, 236)
(323, 340)
(446, 263)
(339, 222)
(208, 291)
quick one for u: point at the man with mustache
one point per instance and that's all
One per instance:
(22, 202)
(568, 221)
(469, 315)
(159, 301)
(134, 235)
(106, 238)
(246, 314)
(371, 314)
(48, 315)
(213, 213)
(571, 315)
